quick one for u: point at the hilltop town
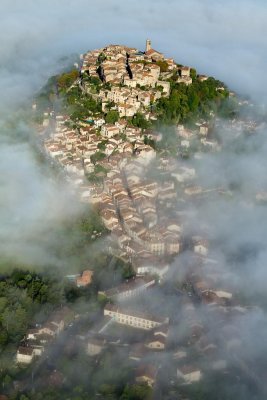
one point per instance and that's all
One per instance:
(109, 163)
(110, 141)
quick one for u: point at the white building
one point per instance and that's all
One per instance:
(25, 355)
(189, 374)
(133, 318)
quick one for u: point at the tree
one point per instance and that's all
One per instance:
(163, 66)
(7, 380)
(136, 392)
(65, 80)
(112, 117)
(101, 57)
(23, 397)
(193, 73)
(140, 121)
(97, 157)
(102, 145)
(3, 337)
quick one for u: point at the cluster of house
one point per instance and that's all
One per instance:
(145, 354)
(37, 339)
(132, 210)
(199, 136)
(119, 312)
(155, 327)
(75, 149)
(212, 348)
(129, 71)
(131, 205)
(129, 101)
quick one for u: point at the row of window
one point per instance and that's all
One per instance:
(132, 320)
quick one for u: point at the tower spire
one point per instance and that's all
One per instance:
(148, 45)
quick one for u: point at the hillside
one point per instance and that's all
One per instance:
(142, 87)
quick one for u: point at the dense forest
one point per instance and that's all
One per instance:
(187, 104)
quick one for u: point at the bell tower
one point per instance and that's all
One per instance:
(148, 45)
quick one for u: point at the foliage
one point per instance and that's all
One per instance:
(65, 80)
(92, 83)
(22, 294)
(139, 121)
(98, 156)
(188, 102)
(112, 117)
(101, 57)
(193, 73)
(163, 66)
(136, 392)
(83, 107)
(94, 80)
(102, 145)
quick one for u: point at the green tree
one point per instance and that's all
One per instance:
(136, 392)
(65, 80)
(98, 156)
(139, 121)
(112, 117)
(6, 382)
(193, 73)
(163, 66)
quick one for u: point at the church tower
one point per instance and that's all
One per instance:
(148, 45)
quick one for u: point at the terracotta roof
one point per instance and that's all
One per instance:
(151, 52)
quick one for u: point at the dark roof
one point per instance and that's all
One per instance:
(51, 326)
(157, 338)
(162, 330)
(31, 332)
(27, 351)
(43, 337)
